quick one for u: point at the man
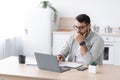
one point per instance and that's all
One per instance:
(84, 45)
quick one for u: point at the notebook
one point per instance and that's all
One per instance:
(49, 62)
(70, 64)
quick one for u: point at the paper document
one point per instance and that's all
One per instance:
(69, 64)
(31, 61)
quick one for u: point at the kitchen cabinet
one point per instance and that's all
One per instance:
(117, 50)
(1, 49)
(109, 49)
(59, 40)
(38, 32)
(112, 44)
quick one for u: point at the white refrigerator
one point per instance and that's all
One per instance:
(38, 26)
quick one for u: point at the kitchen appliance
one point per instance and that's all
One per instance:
(108, 29)
(109, 50)
(96, 28)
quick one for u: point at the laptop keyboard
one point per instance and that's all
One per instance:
(64, 68)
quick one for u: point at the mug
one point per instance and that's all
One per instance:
(21, 59)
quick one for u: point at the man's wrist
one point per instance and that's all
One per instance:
(82, 43)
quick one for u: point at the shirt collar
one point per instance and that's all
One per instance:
(89, 35)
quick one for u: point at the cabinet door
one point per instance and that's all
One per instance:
(109, 50)
(118, 54)
(1, 49)
(38, 32)
(117, 49)
(109, 54)
(59, 40)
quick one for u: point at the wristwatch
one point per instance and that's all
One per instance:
(82, 43)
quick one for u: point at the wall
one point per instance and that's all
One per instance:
(11, 18)
(102, 12)
(11, 25)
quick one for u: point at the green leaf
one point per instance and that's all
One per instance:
(93, 63)
(46, 4)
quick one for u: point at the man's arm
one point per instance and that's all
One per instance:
(95, 51)
(81, 38)
(66, 48)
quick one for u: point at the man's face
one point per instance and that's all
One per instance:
(81, 28)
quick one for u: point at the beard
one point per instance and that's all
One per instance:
(86, 32)
(81, 33)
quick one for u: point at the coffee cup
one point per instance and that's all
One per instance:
(21, 59)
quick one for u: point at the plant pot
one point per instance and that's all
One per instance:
(92, 69)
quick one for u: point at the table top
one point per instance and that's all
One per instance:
(10, 66)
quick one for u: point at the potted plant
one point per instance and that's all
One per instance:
(46, 4)
(92, 68)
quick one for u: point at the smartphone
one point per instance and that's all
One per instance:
(82, 68)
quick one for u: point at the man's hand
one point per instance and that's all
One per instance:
(60, 58)
(80, 37)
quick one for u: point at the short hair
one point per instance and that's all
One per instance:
(83, 18)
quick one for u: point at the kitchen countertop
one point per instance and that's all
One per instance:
(68, 31)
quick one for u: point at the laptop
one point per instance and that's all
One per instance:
(49, 62)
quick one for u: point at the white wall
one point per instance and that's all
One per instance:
(16, 12)
(11, 18)
(102, 12)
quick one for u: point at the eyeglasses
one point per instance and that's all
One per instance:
(79, 27)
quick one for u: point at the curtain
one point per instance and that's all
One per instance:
(11, 27)
(11, 47)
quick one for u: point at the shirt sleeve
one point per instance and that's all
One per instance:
(95, 51)
(67, 47)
